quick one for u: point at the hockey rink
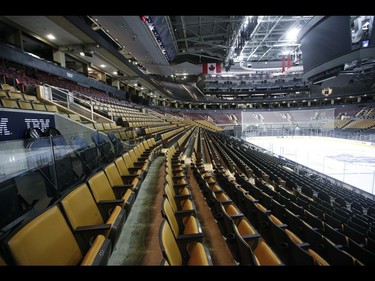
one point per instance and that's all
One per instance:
(350, 161)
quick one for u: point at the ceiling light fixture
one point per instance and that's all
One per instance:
(292, 34)
(86, 54)
(51, 37)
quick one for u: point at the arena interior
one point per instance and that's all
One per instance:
(141, 140)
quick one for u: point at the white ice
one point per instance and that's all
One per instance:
(352, 162)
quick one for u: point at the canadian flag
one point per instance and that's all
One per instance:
(211, 68)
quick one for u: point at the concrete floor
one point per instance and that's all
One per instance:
(131, 246)
(138, 243)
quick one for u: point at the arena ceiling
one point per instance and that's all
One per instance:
(220, 38)
(193, 39)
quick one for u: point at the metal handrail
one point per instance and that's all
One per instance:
(70, 98)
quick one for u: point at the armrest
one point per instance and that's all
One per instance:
(111, 202)
(268, 212)
(106, 206)
(283, 225)
(183, 213)
(174, 169)
(92, 227)
(180, 185)
(190, 237)
(339, 246)
(134, 169)
(123, 186)
(251, 236)
(304, 245)
(85, 235)
(143, 158)
(225, 202)
(182, 196)
(129, 177)
(119, 190)
(212, 183)
(236, 216)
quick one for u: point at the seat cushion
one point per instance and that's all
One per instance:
(46, 240)
(198, 255)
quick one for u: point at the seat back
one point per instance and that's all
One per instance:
(52, 108)
(170, 197)
(39, 106)
(243, 252)
(168, 244)
(170, 217)
(79, 143)
(11, 205)
(104, 146)
(100, 187)
(45, 240)
(9, 103)
(199, 256)
(80, 207)
(128, 161)
(66, 178)
(113, 175)
(121, 166)
(133, 155)
(168, 189)
(91, 159)
(25, 105)
(265, 255)
(318, 260)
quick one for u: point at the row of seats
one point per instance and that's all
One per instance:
(279, 172)
(77, 224)
(156, 129)
(245, 243)
(272, 197)
(62, 165)
(357, 227)
(180, 234)
(172, 133)
(27, 105)
(95, 212)
(48, 240)
(288, 246)
(172, 136)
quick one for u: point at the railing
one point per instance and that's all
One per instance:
(351, 169)
(91, 101)
(316, 132)
(60, 95)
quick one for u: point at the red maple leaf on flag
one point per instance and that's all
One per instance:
(212, 67)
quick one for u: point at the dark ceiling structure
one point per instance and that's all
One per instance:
(201, 39)
(168, 45)
(158, 43)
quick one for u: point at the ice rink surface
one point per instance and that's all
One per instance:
(350, 161)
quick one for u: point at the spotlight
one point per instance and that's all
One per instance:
(88, 54)
(85, 54)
